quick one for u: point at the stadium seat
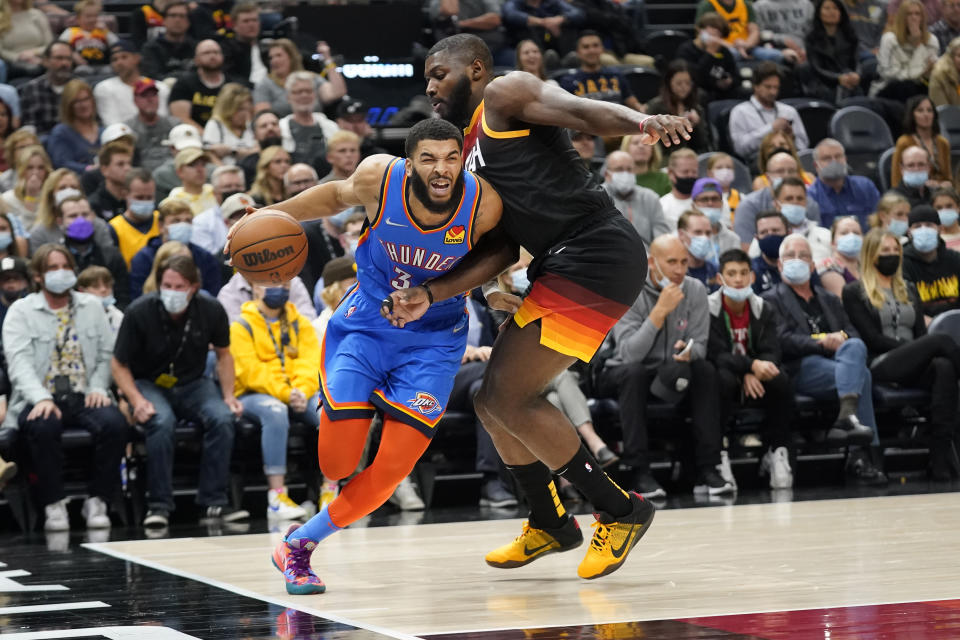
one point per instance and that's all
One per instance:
(644, 82)
(806, 161)
(741, 174)
(816, 115)
(864, 135)
(888, 396)
(718, 115)
(663, 45)
(559, 73)
(949, 117)
(947, 322)
(883, 169)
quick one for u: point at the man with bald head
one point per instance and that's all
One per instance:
(837, 193)
(779, 166)
(193, 96)
(299, 177)
(322, 245)
(660, 347)
(639, 205)
(915, 172)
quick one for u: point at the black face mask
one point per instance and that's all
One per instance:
(888, 265)
(12, 296)
(271, 142)
(684, 185)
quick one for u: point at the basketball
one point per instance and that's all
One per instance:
(268, 248)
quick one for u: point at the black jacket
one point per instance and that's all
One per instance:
(792, 329)
(866, 318)
(937, 282)
(763, 336)
(236, 56)
(110, 258)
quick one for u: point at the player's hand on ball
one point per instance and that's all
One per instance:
(503, 301)
(666, 129)
(405, 306)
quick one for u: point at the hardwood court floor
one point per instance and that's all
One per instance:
(431, 579)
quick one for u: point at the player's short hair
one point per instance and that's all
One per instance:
(432, 129)
(733, 255)
(466, 47)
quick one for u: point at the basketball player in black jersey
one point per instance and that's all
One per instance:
(588, 269)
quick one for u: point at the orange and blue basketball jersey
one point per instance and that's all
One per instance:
(366, 362)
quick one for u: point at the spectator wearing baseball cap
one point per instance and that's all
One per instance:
(352, 116)
(191, 168)
(152, 126)
(115, 95)
(934, 269)
(182, 136)
(14, 282)
(707, 197)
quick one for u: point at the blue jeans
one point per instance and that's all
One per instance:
(760, 53)
(197, 400)
(845, 373)
(274, 419)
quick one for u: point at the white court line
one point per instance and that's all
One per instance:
(104, 548)
(62, 606)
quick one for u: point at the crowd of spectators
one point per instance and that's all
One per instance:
(126, 160)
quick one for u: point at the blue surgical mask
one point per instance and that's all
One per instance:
(59, 281)
(915, 178)
(898, 228)
(108, 301)
(948, 217)
(180, 232)
(849, 245)
(795, 271)
(700, 247)
(664, 281)
(519, 280)
(275, 297)
(794, 213)
(738, 295)
(775, 182)
(174, 301)
(6, 239)
(925, 239)
(142, 209)
(714, 214)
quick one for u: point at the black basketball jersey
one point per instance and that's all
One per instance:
(546, 189)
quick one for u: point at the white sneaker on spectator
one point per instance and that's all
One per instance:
(777, 464)
(726, 471)
(95, 512)
(56, 516)
(405, 497)
(281, 507)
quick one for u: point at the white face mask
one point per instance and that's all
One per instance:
(724, 175)
(622, 182)
(174, 301)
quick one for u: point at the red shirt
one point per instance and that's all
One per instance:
(739, 327)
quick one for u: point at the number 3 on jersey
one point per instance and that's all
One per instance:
(402, 281)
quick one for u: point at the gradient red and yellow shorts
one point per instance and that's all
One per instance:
(582, 286)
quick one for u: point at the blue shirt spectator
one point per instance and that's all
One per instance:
(142, 263)
(836, 193)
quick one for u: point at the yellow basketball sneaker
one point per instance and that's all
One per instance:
(613, 540)
(533, 543)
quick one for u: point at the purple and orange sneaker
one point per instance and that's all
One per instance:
(292, 558)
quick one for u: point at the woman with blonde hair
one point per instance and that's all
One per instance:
(33, 167)
(773, 143)
(907, 54)
(648, 160)
(75, 141)
(12, 146)
(24, 34)
(270, 93)
(167, 250)
(891, 215)
(227, 133)
(888, 315)
(267, 187)
(945, 77)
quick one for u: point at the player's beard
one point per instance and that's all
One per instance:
(422, 193)
(458, 105)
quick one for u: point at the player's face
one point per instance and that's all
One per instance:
(448, 87)
(434, 171)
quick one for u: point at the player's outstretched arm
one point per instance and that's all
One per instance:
(524, 97)
(324, 200)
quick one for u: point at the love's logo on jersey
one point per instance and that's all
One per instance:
(425, 403)
(455, 235)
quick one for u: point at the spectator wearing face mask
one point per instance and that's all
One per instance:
(770, 232)
(707, 196)
(843, 266)
(929, 265)
(174, 223)
(682, 169)
(14, 283)
(80, 239)
(139, 222)
(98, 281)
(916, 185)
(720, 168)
(947, 204)
(639, 205)
(693, 229)
(790, 199)
(892, 212)
(237, 291)
(836, 193)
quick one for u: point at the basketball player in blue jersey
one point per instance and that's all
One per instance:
(589, 266)
(424, 213)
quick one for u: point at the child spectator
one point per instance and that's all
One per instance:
(98, 281)
(90, 40)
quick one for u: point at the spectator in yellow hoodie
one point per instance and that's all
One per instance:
(277, 358)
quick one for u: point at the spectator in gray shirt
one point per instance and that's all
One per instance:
(150, 127)
(780, 166)
(639, 205)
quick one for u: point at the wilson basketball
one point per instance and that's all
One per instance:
(268, 248)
